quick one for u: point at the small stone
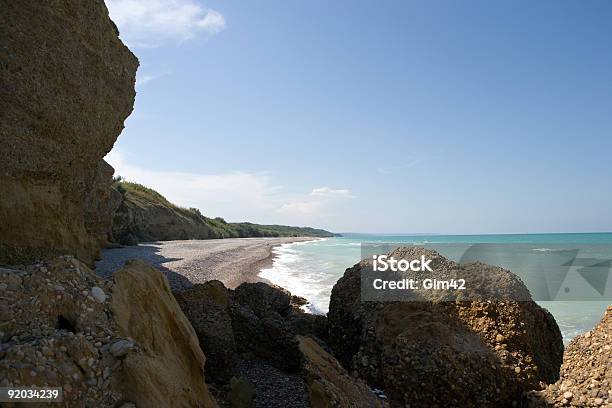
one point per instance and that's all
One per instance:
(517, 369)
(98, 294)
(120, 348)
(568, 395)
(598, 401)
(499, 338)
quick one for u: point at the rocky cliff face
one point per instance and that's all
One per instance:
(431, 352)
(66, 85)
(105, 343)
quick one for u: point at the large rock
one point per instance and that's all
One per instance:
(586, 373)
(473, 351)
(104, 343)
(255, 320)
(66, 85)
(329, 384)
(263, 299)
(170, 371)
(205, 305)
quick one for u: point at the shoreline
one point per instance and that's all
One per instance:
(268, 262)
(231, 261)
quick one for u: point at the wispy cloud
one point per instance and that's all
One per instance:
(152, 23)
(236, 196)
(330, 192)
(143, 79)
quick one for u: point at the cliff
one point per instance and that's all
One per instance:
(66, 85)
(142, 214)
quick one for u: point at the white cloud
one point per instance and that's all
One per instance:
(143, 79)
(151, 23)
(237, 196)
(330, 192)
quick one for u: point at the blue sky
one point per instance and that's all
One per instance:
(428, 116)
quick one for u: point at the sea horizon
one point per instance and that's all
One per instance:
(310, 269)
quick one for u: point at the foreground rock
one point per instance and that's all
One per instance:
(258, 333)
(586, 373)
(66, 85)
(170, 371)
(329, 384)
(435, 352)
(255, 319)
(104, 343)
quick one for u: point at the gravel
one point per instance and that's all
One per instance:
(232, 261)
(273, 388)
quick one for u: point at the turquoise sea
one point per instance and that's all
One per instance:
(310, 269)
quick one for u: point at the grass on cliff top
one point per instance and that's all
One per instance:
(141, 191)
(146, 197)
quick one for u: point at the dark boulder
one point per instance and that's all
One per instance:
(430, 352)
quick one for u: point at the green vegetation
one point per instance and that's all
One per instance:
(144, 200)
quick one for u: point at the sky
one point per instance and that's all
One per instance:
(454, 117)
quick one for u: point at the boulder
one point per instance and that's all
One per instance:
(205, 305)
(263, 299)
(170, 370)
(432, 351)
(268, 338)
(586, 373)
(66, 85)
(329, 384)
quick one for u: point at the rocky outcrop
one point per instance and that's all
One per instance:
(104, 343)
(206, 307)
(170, 372)
(433, 352)
(257, 336)
(586, 373)
(66, 85)
(255, 319)
(329, 384)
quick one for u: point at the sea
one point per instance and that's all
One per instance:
(311, 268)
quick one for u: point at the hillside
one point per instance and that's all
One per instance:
(142, 214)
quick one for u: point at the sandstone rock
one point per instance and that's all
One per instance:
(586, 373)
(139, 347)
(329, 384)
(435, 352)
(170, 371)
(66, 85)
